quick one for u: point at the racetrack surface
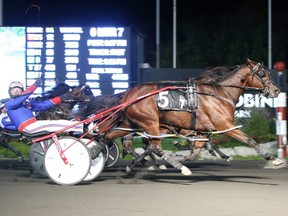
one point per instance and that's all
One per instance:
(234, 188)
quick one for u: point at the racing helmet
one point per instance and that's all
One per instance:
(15, 84)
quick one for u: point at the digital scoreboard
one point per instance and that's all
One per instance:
(97, 56)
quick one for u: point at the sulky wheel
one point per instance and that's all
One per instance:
(73, 166)
(112, 154)
(97, 163)
(36, 156)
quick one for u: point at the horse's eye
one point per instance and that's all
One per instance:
(87, 91)
(261, 73)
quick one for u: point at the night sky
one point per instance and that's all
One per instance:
(139, 14)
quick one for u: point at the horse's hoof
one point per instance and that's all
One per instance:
(162, 167)
(229, 159)
(128, 169)
(214, 158)
(151, 168)
(21, 159)
(277, 162)
(185, 171)
(190, 158)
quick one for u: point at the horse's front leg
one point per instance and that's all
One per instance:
(15, 151)
(242, 137)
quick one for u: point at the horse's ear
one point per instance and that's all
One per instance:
(250, 63)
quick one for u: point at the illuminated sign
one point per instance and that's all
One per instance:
(98, 56)
(249, 100)
(12, 57)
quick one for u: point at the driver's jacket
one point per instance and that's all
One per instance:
(20, 110)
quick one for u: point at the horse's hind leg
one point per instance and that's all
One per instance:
(155, 147)
(96, 149)
(152, 128)
(171, 160)
(212, 148)
(128, 149)
(138, 160)
(156, 165)
(16, 152)
(194, 154)
(220, 153)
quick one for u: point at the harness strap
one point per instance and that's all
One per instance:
(219, 96)
(193, 120)
(196, 117)
(223, 98)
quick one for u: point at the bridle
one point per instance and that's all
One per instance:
(259, 72)
(86, 92)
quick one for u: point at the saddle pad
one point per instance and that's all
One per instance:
(174, 100)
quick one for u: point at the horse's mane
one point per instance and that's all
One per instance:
(98, 104)
(61, 110)
(211, 75)
(57, 90)
(218, 74)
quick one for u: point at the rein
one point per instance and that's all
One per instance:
(231, 86)
(221, 85)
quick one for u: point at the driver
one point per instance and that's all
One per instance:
(20, 110)
(15, 89)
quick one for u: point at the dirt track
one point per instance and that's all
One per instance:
(215, 188)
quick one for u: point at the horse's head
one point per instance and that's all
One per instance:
(81, 93)
(259, 77)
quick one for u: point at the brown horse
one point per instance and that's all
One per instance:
(218, 91)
